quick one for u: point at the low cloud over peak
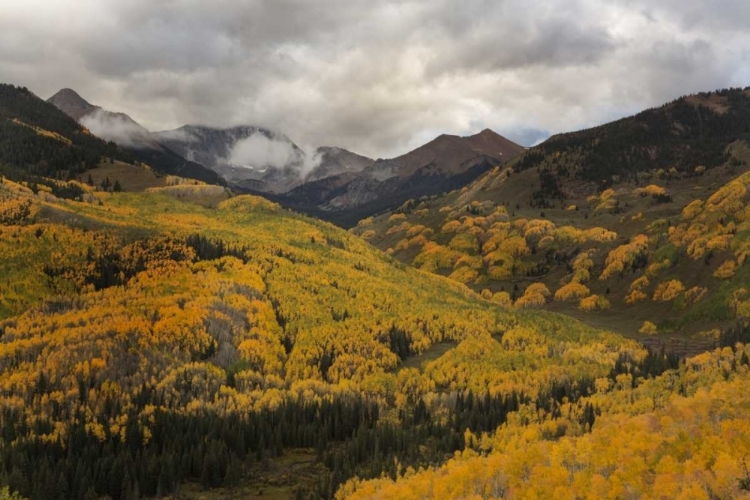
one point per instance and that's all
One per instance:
(376, 77)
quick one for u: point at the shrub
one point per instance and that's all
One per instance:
(669, 290)
(572, 291)
(593, 303)
(726, 270)
(648, 328)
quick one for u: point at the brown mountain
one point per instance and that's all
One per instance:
(448, 162)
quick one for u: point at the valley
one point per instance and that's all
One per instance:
(546, 327)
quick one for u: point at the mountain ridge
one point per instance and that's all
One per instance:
(443, 164)
(328, 182)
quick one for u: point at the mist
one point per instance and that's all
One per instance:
(261, 152)
(115, 127)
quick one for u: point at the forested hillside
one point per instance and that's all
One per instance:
(657, 253)
(682, 435)
(690, 131)
(179, 345)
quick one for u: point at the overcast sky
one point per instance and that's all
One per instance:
(376, 77)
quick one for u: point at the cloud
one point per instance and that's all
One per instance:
(115, 127)
(377, 77)
(259, 151)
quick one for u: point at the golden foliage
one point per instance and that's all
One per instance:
(451, 227)
(14, 211)
(534, 296)
(624, 255)
(464, 274)
(668, 290)
(655, 268)
(648, 442)
(502, 298)
(594, 303)
(404, 226)
(465, 243)
(640, 283)
(650, 190)
(572, 291)
(648, 328)
(726, 270)
(248, 204)
(635, 296)
(695, 294)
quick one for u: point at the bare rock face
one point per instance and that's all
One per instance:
(258, 158)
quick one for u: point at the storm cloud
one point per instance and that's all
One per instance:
(376, 77)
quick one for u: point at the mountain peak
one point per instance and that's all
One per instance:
(67, 93)
(488, 131)
(71, 103)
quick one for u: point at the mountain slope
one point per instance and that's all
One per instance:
(72, 104)
(266, 159)
(605, 251)
(640, 426)
(446, 163)
(116, 127)
(39, 142)
(334, 161)
(259, 159)
(120, 128)
(330, 183)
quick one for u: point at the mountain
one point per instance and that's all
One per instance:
(261, 158)
(116, 127)
(72, 104)
(41, 145)
(258, 159)
(335, 161)
(329, 182)
(120, 128)
(640, 220)
(239, 336)
(445, 163)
